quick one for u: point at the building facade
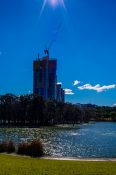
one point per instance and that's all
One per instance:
(60, 94)
(45, 79)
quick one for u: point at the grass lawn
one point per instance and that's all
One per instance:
(14, 165)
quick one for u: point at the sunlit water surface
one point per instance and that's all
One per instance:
(81, 141)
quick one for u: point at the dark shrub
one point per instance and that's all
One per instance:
(7, 147)
(34, 149)
(3, 147)
(23, 149)
(10, 147)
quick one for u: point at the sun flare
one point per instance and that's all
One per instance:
(53, 3)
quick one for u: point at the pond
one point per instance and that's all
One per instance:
(92, 140)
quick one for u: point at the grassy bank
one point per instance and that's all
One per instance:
(13, 165)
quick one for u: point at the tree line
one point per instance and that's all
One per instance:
(30, 110)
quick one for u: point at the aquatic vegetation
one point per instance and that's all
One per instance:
(34, 149)
(7, 146)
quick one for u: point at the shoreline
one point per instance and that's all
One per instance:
(53, 125)
(65, 158)
(81, 159)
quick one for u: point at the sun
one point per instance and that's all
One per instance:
(53, 3)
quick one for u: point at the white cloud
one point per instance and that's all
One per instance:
(76, 82)
(97, 87)
(59, 83)
(68, 92)
(29, 92)
(114, 105)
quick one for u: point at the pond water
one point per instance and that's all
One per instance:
(93, 140)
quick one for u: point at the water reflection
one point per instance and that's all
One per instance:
(87, 140)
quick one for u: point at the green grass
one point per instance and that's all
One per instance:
(14, 165)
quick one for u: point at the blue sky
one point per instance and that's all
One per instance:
(85, 46)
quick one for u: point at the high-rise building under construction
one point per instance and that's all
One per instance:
(60, 94)
(45, 78)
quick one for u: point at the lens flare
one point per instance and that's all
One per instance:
(63, 4)
(53, 3)
(43, 6)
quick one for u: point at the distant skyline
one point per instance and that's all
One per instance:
(81, 35)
